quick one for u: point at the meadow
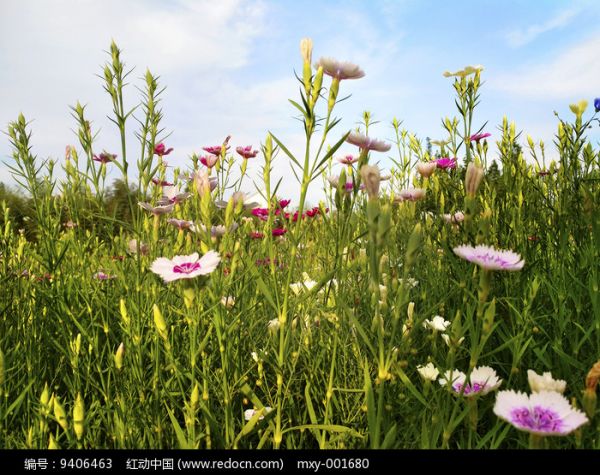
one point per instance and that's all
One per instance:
(452, 303)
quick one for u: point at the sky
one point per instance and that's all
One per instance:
(229, 65)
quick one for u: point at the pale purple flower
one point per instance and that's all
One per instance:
(446, 163)
(489, 258)
(157, 210)
(182, 224)
(544, 413)
(483, 379)
(185, 267)
(340, 70)
(348, 160)
(238, 196)
(455, 218)
(132, 247)
(171, 195)
(219, 230)
(410, 194)
(103, 276)
(426, 169)
(104, 157)
(368, 143)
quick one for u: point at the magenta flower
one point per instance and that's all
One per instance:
(261, 213)
(246, 152)
(544, 413)
(478, 137)
(284, 203)
(278, 232)
(185, 267)
(489, 258)
(348, 160)
(367, 143)
(161, 150)
(218, 149)
(104, 157)
(446, 163)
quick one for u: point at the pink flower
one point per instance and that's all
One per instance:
(478, 137)
(102, 276)
(543, 413)
(445, 163)
(161, 150)
(261, 213)
(284, 203)
(104, 157)
(218, 149)
(483, 379)
(158, 182)
(185, 267)
(455, 218)
(489, 258)
(157, 210)
(182, 224)
(209, 160)
(256, 235)
(340, 70)
(278, 232)
(202, 182)
(348, 160)
(367, 143)
(426, 169)
(246, 152)
(411, 194)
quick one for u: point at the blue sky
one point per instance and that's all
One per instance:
(228, 65)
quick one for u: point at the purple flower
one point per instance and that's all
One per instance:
(597, 104)
(490, 258)
(446, 162)
(103, 276)
(478, 137)
(185, 267)
(543, 413)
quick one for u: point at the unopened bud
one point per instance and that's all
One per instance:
(60, 414)
(473, 178)
(159, 322)
(78, 417)
(371, 178)
(119, 356)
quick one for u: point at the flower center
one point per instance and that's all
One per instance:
(186, 267)
(472, 388)
(540, 419)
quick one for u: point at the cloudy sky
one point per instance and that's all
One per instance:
(228, 65)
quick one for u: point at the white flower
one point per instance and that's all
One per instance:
(437, 323)
(273, 325)
(450, 341)
(545, 382)
(228, 301)
(254, 356)
(428, 372)
(409, 282)
(307, 284)
(185, 267)
(249, 413)
(483, 379)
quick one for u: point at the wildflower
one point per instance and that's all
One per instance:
(366, 143)
(348, 160)
(426, 169)
(228, 301)
(273, 325)
(103, 276)
(218, 149)
(182, 224)
(410, 194)
(256, 235)
(589, 394)
(278, 232)
(219, 230)
(451, 341)
(446, 163)
(544, 413)
(158, 182)
(261, 213)
(246, 152)
(249, 413)
(283, 203)
(428, 372)
(104, 157)
(455, 218)
(473, 178)
(311, 213)
(340, 70)
(307, 284)
(185, 267)
(437, 323)
(132, 247)
(157, 210)
(409, 282)
(480, 136)
(545, 382)
(597, 104)
(172, 195)
(483, 379)
(203, 183)
(70, 224)
(371, 178)
(467, 71)
(489, 258)
(161, 150)
(209, 160)
(237, 197)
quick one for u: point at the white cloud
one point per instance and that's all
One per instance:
(572, 75)
(521, 37)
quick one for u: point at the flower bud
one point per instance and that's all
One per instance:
(473, 178)
(78, 416)
(159, 322)
(589, 394)
(371, 178)
(119, 356)
(60, 414)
